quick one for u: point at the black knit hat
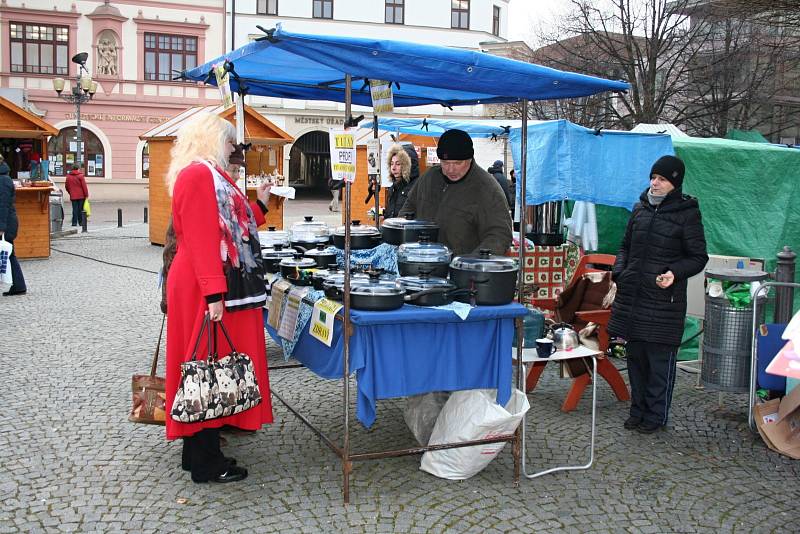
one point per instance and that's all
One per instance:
(671, 168)
(455, 144)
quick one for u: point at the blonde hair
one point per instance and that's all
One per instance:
(203, 138)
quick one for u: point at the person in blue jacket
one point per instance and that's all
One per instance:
(8, 228)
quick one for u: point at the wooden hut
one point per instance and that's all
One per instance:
(23, 138)
(265, 156)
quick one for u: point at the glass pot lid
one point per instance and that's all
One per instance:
(271, 236)
(373, 286)
(278, 251)
(309, 230)
(485, 262)
(321, 250)
(299, 262)
(424, 251)
(357, 229)
(409, 222)
(421, 283)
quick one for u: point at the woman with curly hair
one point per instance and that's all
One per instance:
(403, 171)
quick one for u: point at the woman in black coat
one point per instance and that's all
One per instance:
(664, 245)
(403, 171)
(8, 228)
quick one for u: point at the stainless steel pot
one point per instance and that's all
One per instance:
(565, 337)
(493, 278)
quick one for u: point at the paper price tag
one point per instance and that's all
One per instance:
(322, 317)
(343, 156)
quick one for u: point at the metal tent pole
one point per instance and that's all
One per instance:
(377, 184)
(346, 464)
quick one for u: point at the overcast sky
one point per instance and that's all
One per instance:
(525, 16)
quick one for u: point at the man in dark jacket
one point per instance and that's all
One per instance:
(8, 229)
(466, 201)
(78, 193)
(496, 170)
(664, 245)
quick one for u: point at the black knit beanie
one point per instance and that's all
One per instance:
(455, 144)
(671, 168)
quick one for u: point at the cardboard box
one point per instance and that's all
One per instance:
(782, 435)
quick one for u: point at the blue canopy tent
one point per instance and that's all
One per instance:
(319, 67)
(477, 128)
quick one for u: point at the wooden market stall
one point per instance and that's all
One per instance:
(264, 157)
(23, 145)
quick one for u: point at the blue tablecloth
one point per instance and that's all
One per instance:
(416, 350)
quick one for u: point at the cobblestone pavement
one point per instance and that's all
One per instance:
(71, 461)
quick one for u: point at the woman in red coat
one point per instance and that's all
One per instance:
(217, 238)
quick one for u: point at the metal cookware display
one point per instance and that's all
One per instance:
(333, 284)
(273, 256)
(361, 237)
(376, 294)
(271, 237)
(429, 290)
(293, 265)
(494, 278)
(565, 337)
(324, 255)
(307, 234)
(399, 230)
(423, 257)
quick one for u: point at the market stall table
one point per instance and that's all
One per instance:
(416, 350)
(33, 210)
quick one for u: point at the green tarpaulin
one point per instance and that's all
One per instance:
(752, 136)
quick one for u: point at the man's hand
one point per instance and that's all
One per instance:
(215, 310)
(262, 191)
(665, 280)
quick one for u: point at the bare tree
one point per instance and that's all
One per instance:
(776, 13)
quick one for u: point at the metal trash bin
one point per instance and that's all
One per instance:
(56, 211)
(727, 337)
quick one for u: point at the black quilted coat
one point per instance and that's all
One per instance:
(668, 237)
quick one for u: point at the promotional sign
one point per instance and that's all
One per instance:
(431, 157)
(381, 93)
(373, 156)
(224, 84)
(322, 318)
(343, 156)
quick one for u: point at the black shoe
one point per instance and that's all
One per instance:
(632, 423)
(234, 473)
(646, 427)
(13, 292)
(188, 467)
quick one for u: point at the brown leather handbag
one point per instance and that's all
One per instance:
(149, 399)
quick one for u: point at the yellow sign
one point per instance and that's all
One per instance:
(322, 317)
(382, 98)
(343, 156)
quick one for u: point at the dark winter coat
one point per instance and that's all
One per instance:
(398, 192)
(9, 225)
(668, 237)
(497, 172)
(75, 185)
(472, 213)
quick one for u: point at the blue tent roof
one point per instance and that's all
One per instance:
(436, 127)
(313, 67)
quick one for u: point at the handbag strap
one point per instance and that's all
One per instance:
(227, 337)
(158, 346)
(206, 321)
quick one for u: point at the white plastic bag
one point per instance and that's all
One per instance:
(468, 416)
(421, 412)
(5, 262)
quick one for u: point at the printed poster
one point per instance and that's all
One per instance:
(291, 311)
(343, 156)
(224, 84)
(279, 290)
(431, 157)
(322, 317)
(70, 159)
(373, 156)
(382, 98)
(73, 146)
(98, 162)
(90, 167)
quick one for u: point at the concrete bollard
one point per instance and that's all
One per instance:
(84, 221)
(145, 214)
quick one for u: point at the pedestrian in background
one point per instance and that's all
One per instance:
(211, 215)
(335, 187)
(664, 245)
(403, 172)
(77, 191)
(496, 170)
(9, 224)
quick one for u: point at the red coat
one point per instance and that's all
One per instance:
(76, 186)
(195, 273)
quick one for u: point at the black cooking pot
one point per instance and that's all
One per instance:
(303, 278)
(399, 230)
(319, 276)
(293, 265)
(426, 290)
(334, 282)
(494, 278)
(361, 237)
(376, 294)
(423, 257)
(323, 255)
(307, 234)
(273, 256)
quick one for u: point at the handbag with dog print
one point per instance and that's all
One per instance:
(215, 387)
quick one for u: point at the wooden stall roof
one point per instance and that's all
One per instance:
(20, 123)
(258, 129)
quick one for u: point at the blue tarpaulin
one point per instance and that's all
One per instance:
(313, 67)
(476, 128)
(567, 161)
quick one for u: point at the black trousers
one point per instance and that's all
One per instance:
(77, 210)
(202, 455)
(651, 370)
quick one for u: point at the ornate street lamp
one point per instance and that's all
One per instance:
(81, 93)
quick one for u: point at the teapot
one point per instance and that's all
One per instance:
(565, 337)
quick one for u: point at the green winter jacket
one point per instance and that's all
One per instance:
(472, 213)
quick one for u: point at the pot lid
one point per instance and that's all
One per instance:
(309, 229)
(424, 251)
(421, 283)
(298, 261)
(277, 251)
(273, 236)
(376, 286)
(485, 262)
(322, 250)
(409, 222)
(357, 229)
